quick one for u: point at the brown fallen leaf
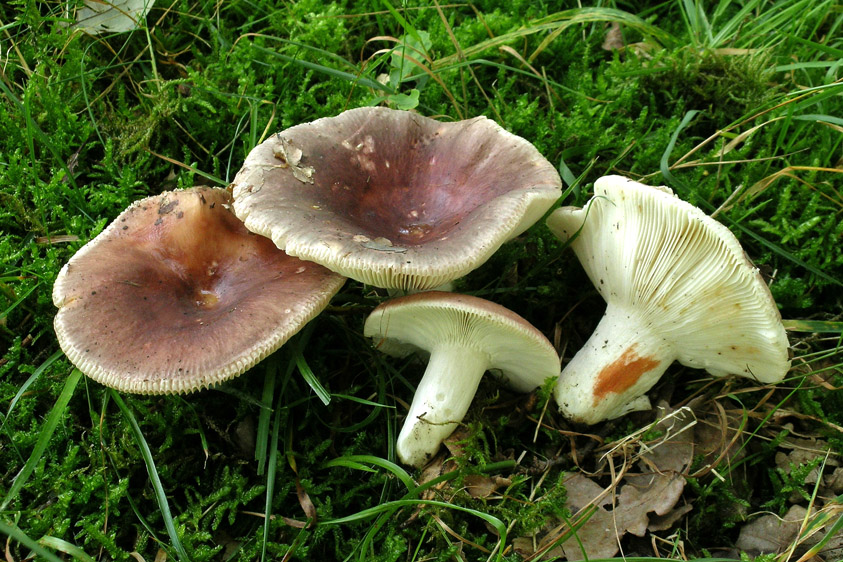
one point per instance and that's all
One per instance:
(304, 499)
(582, 491)
(834, 481)
(643, 494)
(614, 37)
(455, 442)
(594, 539)
(305, 503)
(482, 486)
(771, 534)
(666, 521)
(642, 501)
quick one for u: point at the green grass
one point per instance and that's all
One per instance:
(736, 106)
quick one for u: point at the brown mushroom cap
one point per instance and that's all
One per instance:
(176, 295)
(392, 198)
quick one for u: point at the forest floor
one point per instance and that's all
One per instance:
(736, 106)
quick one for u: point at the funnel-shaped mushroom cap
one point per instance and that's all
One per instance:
(392, 198)
(677, 285)
(176, 295)
(465, 336)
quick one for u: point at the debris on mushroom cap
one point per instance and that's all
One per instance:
(176, 295)
(677, 285)
(465, 336)
(392, 198)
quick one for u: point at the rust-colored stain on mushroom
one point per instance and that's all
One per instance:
(622, 374)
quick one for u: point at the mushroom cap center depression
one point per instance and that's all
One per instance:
(406, 194)
(203, 270)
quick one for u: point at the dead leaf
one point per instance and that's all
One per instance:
(614, 38)
(666, 521)
(644, 500)
(56, 239)
(718, 438)
(482, 486)
(304, 499)
(436, 467)
(639, 496)
(673, 451)
(771, 534)
(455, 442)
(290, 155)
(834, 481)
(582, 491)
(595, 539)
(305, 503)
(523, 546)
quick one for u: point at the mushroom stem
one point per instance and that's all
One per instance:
(628, 359)
(441, 400)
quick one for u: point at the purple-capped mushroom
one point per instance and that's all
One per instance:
(176, 295)
(392, 198)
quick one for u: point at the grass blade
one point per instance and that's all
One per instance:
(556, 23)
(353, 461)
(270, 479)
(664, 163)
(55, 415)
(813, 326)
(664, 167)
(68, 548)
(160, 495)
(12, 531)
(262, 438)
(304, 368)
(332, 72)
(14, 305)
(32, 378)
(362, 401)
(391, 506)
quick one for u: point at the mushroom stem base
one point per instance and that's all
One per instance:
(441, 401)
(608, 377)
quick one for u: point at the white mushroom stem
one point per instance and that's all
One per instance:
(608, 377)
(441, 400)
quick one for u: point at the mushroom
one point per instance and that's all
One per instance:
(391, 198)
(677, 286)
(176, 295)
(464, 336)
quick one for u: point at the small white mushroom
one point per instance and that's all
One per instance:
(677, 286)
(465, 336)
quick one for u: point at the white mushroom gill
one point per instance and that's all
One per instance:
(677, 286)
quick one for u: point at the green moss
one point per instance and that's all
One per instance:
(89, 124)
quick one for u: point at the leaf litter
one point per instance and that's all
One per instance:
(636, 501)
(645, 491)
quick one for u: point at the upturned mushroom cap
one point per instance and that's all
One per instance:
(176, 295)
(464, 336)
(677, 285)
(391, 198)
